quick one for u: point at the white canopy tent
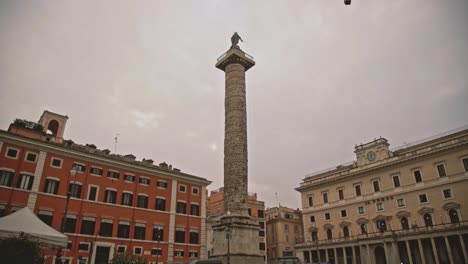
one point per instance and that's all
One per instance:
(25, 221)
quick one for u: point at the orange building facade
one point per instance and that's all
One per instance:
(116, 204)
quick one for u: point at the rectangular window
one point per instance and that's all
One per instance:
(129, 177)
(401, 202)
(417, 175)
(312, 219)
(156, 252)
(182, 188)
(57, 163)
(376, 185)
(311, 200)
(110, 196)
(127, 199)
(178, 253)
(51, 186)
(87, 227)
(161, 184)
(75, 190)
(142, 201)
(181, 208)
(261, 246)
(31, 157)
(327, 216)
(441, 170)
(158, 233)
(325, 197)
(25, 182)
(195, 191)
(106, 229)
(137, 251)
(262, 225)
(341, 194)
(95, 171)
(46, 218)
(194, 209)
(193, 237)
(344, 213)
(260, 214)
(361, 210)
(358, 189)
(380, 206)
(83, 247)
(180, 236)
(70, 225)
(12, 153)
(447, 193)
(113, 174)
(79, 167)
(121, 249)
(139, 232)
(286, 228)
(249, 211)
(193, 254)
(6, 178)
(92, 193)
(160, 204)
(123, 230)
(144, 181)
(465, 164)
(396, 181)
(422, 198)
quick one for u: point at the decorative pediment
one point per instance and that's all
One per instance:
(328, 226)
(451, 205)
(362, 220)
(425, 210)
(382, 217)
(401, 214)
(312, 229)
(344, 223)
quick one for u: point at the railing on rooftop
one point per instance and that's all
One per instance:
(250, 57)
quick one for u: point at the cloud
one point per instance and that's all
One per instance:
(146, 119)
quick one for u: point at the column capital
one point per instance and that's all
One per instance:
(235, 55)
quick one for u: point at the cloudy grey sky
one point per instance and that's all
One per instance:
(327, 76)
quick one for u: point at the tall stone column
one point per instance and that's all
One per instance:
(236, 234)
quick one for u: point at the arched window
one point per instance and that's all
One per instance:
(53, 127)
(345, 231)
(454, 216)
(428, 219)
(329, 234)
(404, 223)
(314, 236)
(363, 229)
(382, 226)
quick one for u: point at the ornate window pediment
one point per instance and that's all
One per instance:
(312, 229)
(425, 210)
(382, 217)
(451, 205)
(401, 214)
(328, 226)
(344, 223)
(362, 220)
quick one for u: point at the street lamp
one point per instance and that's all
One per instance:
(157, 242)
(228, 230)
(72, 172)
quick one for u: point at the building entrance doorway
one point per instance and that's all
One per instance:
(379, 253)
(102, 255)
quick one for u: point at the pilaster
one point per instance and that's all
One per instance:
(37, 180)
(170, 247)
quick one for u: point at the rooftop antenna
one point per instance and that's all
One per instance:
(115, 142)
(276, 195)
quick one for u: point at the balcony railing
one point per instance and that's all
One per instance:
(250, 57)
(390, 233)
